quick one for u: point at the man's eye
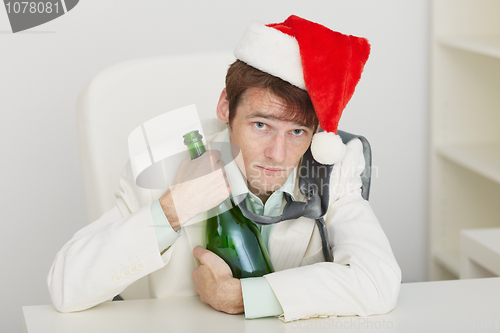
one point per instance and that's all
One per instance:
(259, 125)
(298, 132)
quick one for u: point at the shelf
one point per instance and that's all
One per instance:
(488, 46)
(482, 158)
(464, 147)
(487, 238)
(449, 260)
(483, 247)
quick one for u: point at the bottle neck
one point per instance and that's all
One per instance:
(194, 143)
(196, 149)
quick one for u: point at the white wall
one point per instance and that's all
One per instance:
(43, 70)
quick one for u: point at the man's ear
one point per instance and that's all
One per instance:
(223, 107)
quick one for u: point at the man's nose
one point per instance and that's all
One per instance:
(276, 148)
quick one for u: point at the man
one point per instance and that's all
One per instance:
(289, 77)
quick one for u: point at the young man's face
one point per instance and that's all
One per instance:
(271, 146)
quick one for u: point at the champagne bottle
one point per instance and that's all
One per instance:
(229, 234)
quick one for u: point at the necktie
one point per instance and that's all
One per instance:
(314, 180)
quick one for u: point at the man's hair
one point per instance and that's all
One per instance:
(241, 76)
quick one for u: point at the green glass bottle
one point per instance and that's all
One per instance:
(230, 235)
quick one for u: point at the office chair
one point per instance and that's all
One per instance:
(126, 95)
(366, 175)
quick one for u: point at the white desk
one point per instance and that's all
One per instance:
(444, 306)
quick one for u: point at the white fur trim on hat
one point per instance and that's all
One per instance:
(273, 52)
(327, 148)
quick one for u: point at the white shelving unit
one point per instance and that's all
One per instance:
(465, 127)
(479, 253)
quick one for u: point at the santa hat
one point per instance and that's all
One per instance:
(325, 63)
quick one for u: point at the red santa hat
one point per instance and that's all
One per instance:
(325, 63)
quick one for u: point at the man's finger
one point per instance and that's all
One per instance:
(197, 273)
(205, 256)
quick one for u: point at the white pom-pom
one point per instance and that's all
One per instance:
(327, 148)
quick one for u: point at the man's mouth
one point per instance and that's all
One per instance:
(271, 171)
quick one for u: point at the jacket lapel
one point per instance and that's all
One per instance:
(289, 239)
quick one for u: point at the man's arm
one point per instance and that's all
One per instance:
(364, 278)
(106, 256)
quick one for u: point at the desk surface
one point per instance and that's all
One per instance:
(443, 306)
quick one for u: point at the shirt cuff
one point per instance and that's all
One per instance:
(165, 235)
(259, 299)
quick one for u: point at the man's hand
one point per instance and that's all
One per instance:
(215, 283)
(199, 185)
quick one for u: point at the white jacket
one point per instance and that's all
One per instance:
(106, 256)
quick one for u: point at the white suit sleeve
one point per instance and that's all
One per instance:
(106, 256)
(364, 278)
